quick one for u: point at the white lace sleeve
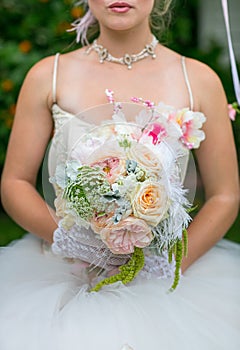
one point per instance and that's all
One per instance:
(83, 244)
(158, 267)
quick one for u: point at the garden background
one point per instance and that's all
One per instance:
(33, 29)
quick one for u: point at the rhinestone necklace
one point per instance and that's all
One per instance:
(128, 60)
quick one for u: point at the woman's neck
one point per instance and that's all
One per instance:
(121, 42)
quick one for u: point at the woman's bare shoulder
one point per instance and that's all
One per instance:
(205, 82)
(45, 65)
(40, 75)
(201, 72)
(197, 70)
(42, 69)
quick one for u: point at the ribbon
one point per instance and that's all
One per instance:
(235, 77)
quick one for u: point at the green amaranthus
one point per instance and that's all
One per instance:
(179, 249)
(127, 272)
(136, 263)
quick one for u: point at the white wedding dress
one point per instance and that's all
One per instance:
(45, 303)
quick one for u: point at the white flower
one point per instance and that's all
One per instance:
(145, 158)
(72, 169)
(68, 221)
(144, 117)
(60, 177)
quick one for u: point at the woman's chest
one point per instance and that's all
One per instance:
(87, 89)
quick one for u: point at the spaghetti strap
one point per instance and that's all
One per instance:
(187, 83)
(54, 81)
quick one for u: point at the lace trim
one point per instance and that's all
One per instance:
(89, 249)
(157, 267)
(86, 247)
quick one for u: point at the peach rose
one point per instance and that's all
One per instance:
(150, 202)
(121, 238)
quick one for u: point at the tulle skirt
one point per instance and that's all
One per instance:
(45, 305)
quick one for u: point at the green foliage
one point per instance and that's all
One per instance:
(30, 30)
(9, 230)
(127, 272)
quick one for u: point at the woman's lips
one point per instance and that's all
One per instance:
(120, 7)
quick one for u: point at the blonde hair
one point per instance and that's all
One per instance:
(160, 17)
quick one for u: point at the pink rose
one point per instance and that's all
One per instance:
(99, 222)
(112, 167)
(232, 112)
(121, 238)
(110, 158)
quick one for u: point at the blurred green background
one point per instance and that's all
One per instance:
(33, 29)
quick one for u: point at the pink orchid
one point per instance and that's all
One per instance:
(187, 129)
(190, 123)
(157, 131)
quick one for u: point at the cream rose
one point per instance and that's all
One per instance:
(145, 158)
(131, 232)
(60, 205)
(150, 202)
(68, 221)
(61, 210)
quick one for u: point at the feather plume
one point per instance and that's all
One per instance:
(82, 24)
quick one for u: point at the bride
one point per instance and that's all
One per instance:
(46, 302)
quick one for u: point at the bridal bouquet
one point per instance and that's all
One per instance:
(123, 181)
